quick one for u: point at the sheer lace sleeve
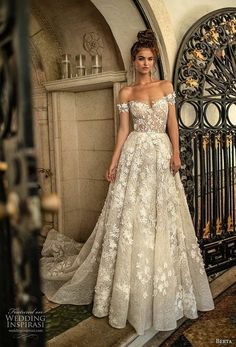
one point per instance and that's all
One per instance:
(124, 107)
(171, 98)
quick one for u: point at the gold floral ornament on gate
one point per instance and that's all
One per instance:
(198, 54)
(231, 27)
(93, 44)
(212, 36)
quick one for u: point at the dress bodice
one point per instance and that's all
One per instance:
(148, 117)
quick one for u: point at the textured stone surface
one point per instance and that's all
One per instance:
(92, 332)
(94, 104)
(92, 193)
(68, 22)
(48, 305)
(96, 135)
(86, 223)
(184, 14)
(93, 164)
(70, 164)
(82, 128)
(71, 195)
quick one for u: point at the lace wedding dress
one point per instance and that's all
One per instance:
(142, 262)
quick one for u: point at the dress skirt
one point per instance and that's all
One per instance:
(142, 262)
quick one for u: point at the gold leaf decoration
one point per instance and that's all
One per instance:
(230, 224)
(217, 141)
(218, 226)
(197, 53)
(231, 26)
(206, 231)
(212, 36)
(205, 142)
(228, 140)
(191, 82)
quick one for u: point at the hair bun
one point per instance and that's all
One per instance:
(146, 39)
(147, 36)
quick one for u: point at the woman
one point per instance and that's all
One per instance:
(142, 262)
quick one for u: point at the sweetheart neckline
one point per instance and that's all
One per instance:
(153, 102)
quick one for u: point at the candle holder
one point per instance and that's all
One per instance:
(80, 65)
(96, 64)
(66, 66)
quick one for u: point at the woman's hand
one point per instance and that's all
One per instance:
(175, 164)
(111, 173)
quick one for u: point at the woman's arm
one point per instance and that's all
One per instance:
(173, 131)
(122, 134)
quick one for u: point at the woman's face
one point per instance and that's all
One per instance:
(144, 61)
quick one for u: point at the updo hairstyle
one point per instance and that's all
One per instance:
(146, 39)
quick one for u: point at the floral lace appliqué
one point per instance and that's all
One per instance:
(162, 279)
(152, 118)
(124, 107)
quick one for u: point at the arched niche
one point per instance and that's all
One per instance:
(56, 28)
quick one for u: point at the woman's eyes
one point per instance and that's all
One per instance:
(142, 58)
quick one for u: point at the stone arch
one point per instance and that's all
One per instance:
(38, 73)
(53, 35)
(44, 44)
(115, 14)
(125, 11)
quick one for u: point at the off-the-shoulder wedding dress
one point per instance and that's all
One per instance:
(142, 262)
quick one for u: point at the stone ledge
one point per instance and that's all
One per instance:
(85, 83)
(92, 332)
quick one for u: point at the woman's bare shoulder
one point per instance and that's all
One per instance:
(166, 86)
(124, 93)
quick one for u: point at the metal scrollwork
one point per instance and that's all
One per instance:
(186, 168)
(210, 41)
(20, 206)
(205, 83)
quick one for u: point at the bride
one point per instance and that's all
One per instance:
(142, 262)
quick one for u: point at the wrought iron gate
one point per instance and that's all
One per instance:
(21, 318)
(205, 82)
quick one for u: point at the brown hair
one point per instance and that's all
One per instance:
(146, 39)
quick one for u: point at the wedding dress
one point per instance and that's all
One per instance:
(142, 262)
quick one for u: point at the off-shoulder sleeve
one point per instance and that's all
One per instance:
(171, 98)
(124, 107)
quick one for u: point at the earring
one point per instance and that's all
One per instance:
(133, 73)
(155, 71)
